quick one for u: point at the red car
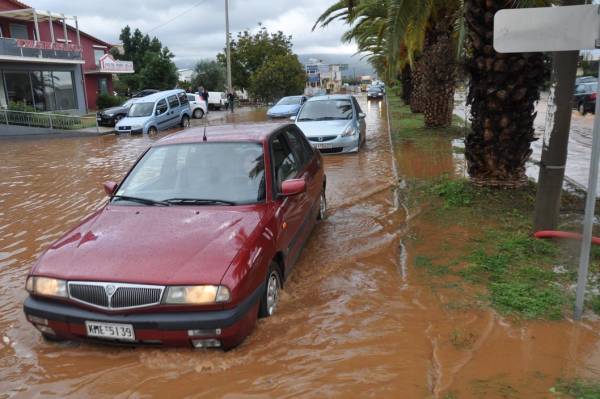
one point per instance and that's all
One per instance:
(192, 246)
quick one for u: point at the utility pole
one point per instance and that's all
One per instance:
(554, 152)
(229, 86)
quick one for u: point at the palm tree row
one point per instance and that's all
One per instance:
(422, 43)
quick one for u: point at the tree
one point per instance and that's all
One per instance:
(209, 74)
(250, 51)
(153, 63)
(503, 89)
(282, 76)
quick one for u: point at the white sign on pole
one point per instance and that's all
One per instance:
(564, 28)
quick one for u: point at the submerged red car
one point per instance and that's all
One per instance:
(193, 245)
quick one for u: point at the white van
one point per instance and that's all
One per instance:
(217, 100)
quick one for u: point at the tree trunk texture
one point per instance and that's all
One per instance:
(406, 81)
(503, 90)
(417, 93)
(439, 74)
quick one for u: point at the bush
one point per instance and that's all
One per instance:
(107, 101)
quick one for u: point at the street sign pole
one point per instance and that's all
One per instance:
(590, 208)
(564, 28)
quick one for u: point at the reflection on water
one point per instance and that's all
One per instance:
(354, 321)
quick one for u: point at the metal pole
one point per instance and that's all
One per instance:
(77, 28)
(51, 24)
(36, 25)
(65, 29)
(588, 221)
(229, 87)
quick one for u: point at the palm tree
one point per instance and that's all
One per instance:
(503, 89)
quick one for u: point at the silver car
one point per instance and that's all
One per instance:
(333, 124)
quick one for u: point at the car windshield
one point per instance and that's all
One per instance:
(289, 101)
(326, 110)
(127, 104)
(197, 173)
(141, 109)
(374, 89)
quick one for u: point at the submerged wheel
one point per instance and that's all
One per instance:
(322, 206)
(185, 121)
(52, 338)
(198, 113)
(270, 297)
(152, 131)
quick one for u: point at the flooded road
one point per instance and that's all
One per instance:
(355, 320)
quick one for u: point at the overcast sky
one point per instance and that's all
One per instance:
(195, 29)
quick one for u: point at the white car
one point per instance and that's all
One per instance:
(198, 105)
(217, 99)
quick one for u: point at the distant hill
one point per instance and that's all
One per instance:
(356, 66)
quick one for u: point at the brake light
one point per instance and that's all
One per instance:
(593, 96)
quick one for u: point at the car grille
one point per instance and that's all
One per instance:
(124, 127)
(115, 295)
(322, 139)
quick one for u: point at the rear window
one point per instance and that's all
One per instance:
(173, 101)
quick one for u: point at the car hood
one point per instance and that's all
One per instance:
(284, 109)
(113, 110)
(324, 128)
(129, 121)
(152, 245)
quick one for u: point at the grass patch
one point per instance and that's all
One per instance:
(579, 389)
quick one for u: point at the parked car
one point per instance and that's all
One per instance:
(375, 92)
(286, 107)
(217, 100)
(586, 79)
(110, 116)
(144, 93)
(197, 105)
(159, 111)
(585, 97)
(333, 123)
(192, 246)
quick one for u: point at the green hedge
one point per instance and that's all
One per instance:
(106, 101)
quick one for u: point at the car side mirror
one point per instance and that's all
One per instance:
(292, 187)
(293, 118)
(110, 187)
(362, 115)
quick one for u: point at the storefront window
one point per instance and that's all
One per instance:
(49, 91)
(64, 90)
(18, 89)
(37, 84)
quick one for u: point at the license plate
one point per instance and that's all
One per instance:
(98, 119)
(321, 146)
(122, 332)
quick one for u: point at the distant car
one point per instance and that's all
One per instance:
(192, 246)
(159, 111)
(333, 123)
(586, 79)
(375, 92)
(110, 116)
(585, 97)
(286, 107)
(217, 100)
(197, 105)
(144, 93)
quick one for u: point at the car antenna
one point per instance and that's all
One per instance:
(204, 137)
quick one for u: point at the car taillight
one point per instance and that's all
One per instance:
(593, 96)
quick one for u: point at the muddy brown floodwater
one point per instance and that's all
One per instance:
(354, 320)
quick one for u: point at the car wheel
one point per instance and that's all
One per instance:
(198, 113)
(152, 131)
(185, 121)
(322, 206)
(52, 338)
(270, 297)
(581, 108)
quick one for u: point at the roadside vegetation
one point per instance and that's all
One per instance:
(521, 276)
(579, 389)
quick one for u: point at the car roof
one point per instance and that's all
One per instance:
(331, 97)
(253, 132)
(157, 96)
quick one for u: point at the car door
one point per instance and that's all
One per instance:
(174, 111)
(290, 210)
(161, 114)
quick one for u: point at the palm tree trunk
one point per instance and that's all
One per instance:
(439, 74)
(417, 92)
(502, 94)
(406, 81)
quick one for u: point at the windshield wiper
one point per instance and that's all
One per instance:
(145, 201)
(198, 201)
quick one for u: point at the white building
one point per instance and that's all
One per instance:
(321, 76)
(185, 75)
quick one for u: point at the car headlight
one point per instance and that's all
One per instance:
(46, 286)
(350, 131)
(197, 294)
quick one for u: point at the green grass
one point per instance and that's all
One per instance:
(579, 389)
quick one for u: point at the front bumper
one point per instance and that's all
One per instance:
(229, 326)
(105, 120)
(337, 145)
(126, 130)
